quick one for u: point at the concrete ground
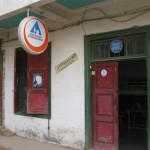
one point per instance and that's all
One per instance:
(19, 143)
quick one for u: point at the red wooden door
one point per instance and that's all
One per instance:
(105, 106)
(37, 83)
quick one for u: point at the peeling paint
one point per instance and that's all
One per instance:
(66, 137)
(106, 139)
(67, 107)
(51, 139)
(79, 143)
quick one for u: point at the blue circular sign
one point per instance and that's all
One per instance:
(116, 46)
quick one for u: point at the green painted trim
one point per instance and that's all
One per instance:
(74, 4)
(87, 53)
(1, 60)
(1, 68)
(88, 110)
(119, 58)
(36, 116)
(14, 21)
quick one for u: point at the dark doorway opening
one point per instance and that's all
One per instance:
(132, 105)
(0, 98)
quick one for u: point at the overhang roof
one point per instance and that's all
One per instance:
(60, 14)
(14, 21)
(75, 4)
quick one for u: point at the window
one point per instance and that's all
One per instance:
(32, 78)
(133, 45)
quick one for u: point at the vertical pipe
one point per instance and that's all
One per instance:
(49, 86)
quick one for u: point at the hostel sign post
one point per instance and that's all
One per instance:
(33, 35)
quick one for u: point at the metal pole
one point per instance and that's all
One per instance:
(28, 13)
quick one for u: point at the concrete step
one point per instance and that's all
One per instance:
(3, 148)
(5, 132)
(20, 143)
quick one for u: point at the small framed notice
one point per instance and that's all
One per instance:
(37, 80)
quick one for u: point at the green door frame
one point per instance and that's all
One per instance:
(87, 53)
(1, 86)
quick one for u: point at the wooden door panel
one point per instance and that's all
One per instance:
(105, 133)
(37, 103)
(105, 106)
(106, 81)
(37, 83)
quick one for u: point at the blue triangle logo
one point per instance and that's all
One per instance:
(35, 29)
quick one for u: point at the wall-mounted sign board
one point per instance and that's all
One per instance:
(116, 46)
(67, 62)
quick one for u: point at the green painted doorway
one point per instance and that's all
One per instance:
(136, 46)
(1, 78)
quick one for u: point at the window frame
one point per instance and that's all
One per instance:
(17, 108)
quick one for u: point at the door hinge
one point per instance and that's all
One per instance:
(93, 73)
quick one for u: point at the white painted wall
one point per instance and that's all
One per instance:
(67, 114)
(7, 6)
(67, 123)
(10, 7)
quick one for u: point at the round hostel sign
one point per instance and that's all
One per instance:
(33, 35)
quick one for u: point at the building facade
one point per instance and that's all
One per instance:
(93, 76)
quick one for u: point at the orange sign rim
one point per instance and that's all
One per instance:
(25, 42)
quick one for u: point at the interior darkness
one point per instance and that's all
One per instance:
(132, 105)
